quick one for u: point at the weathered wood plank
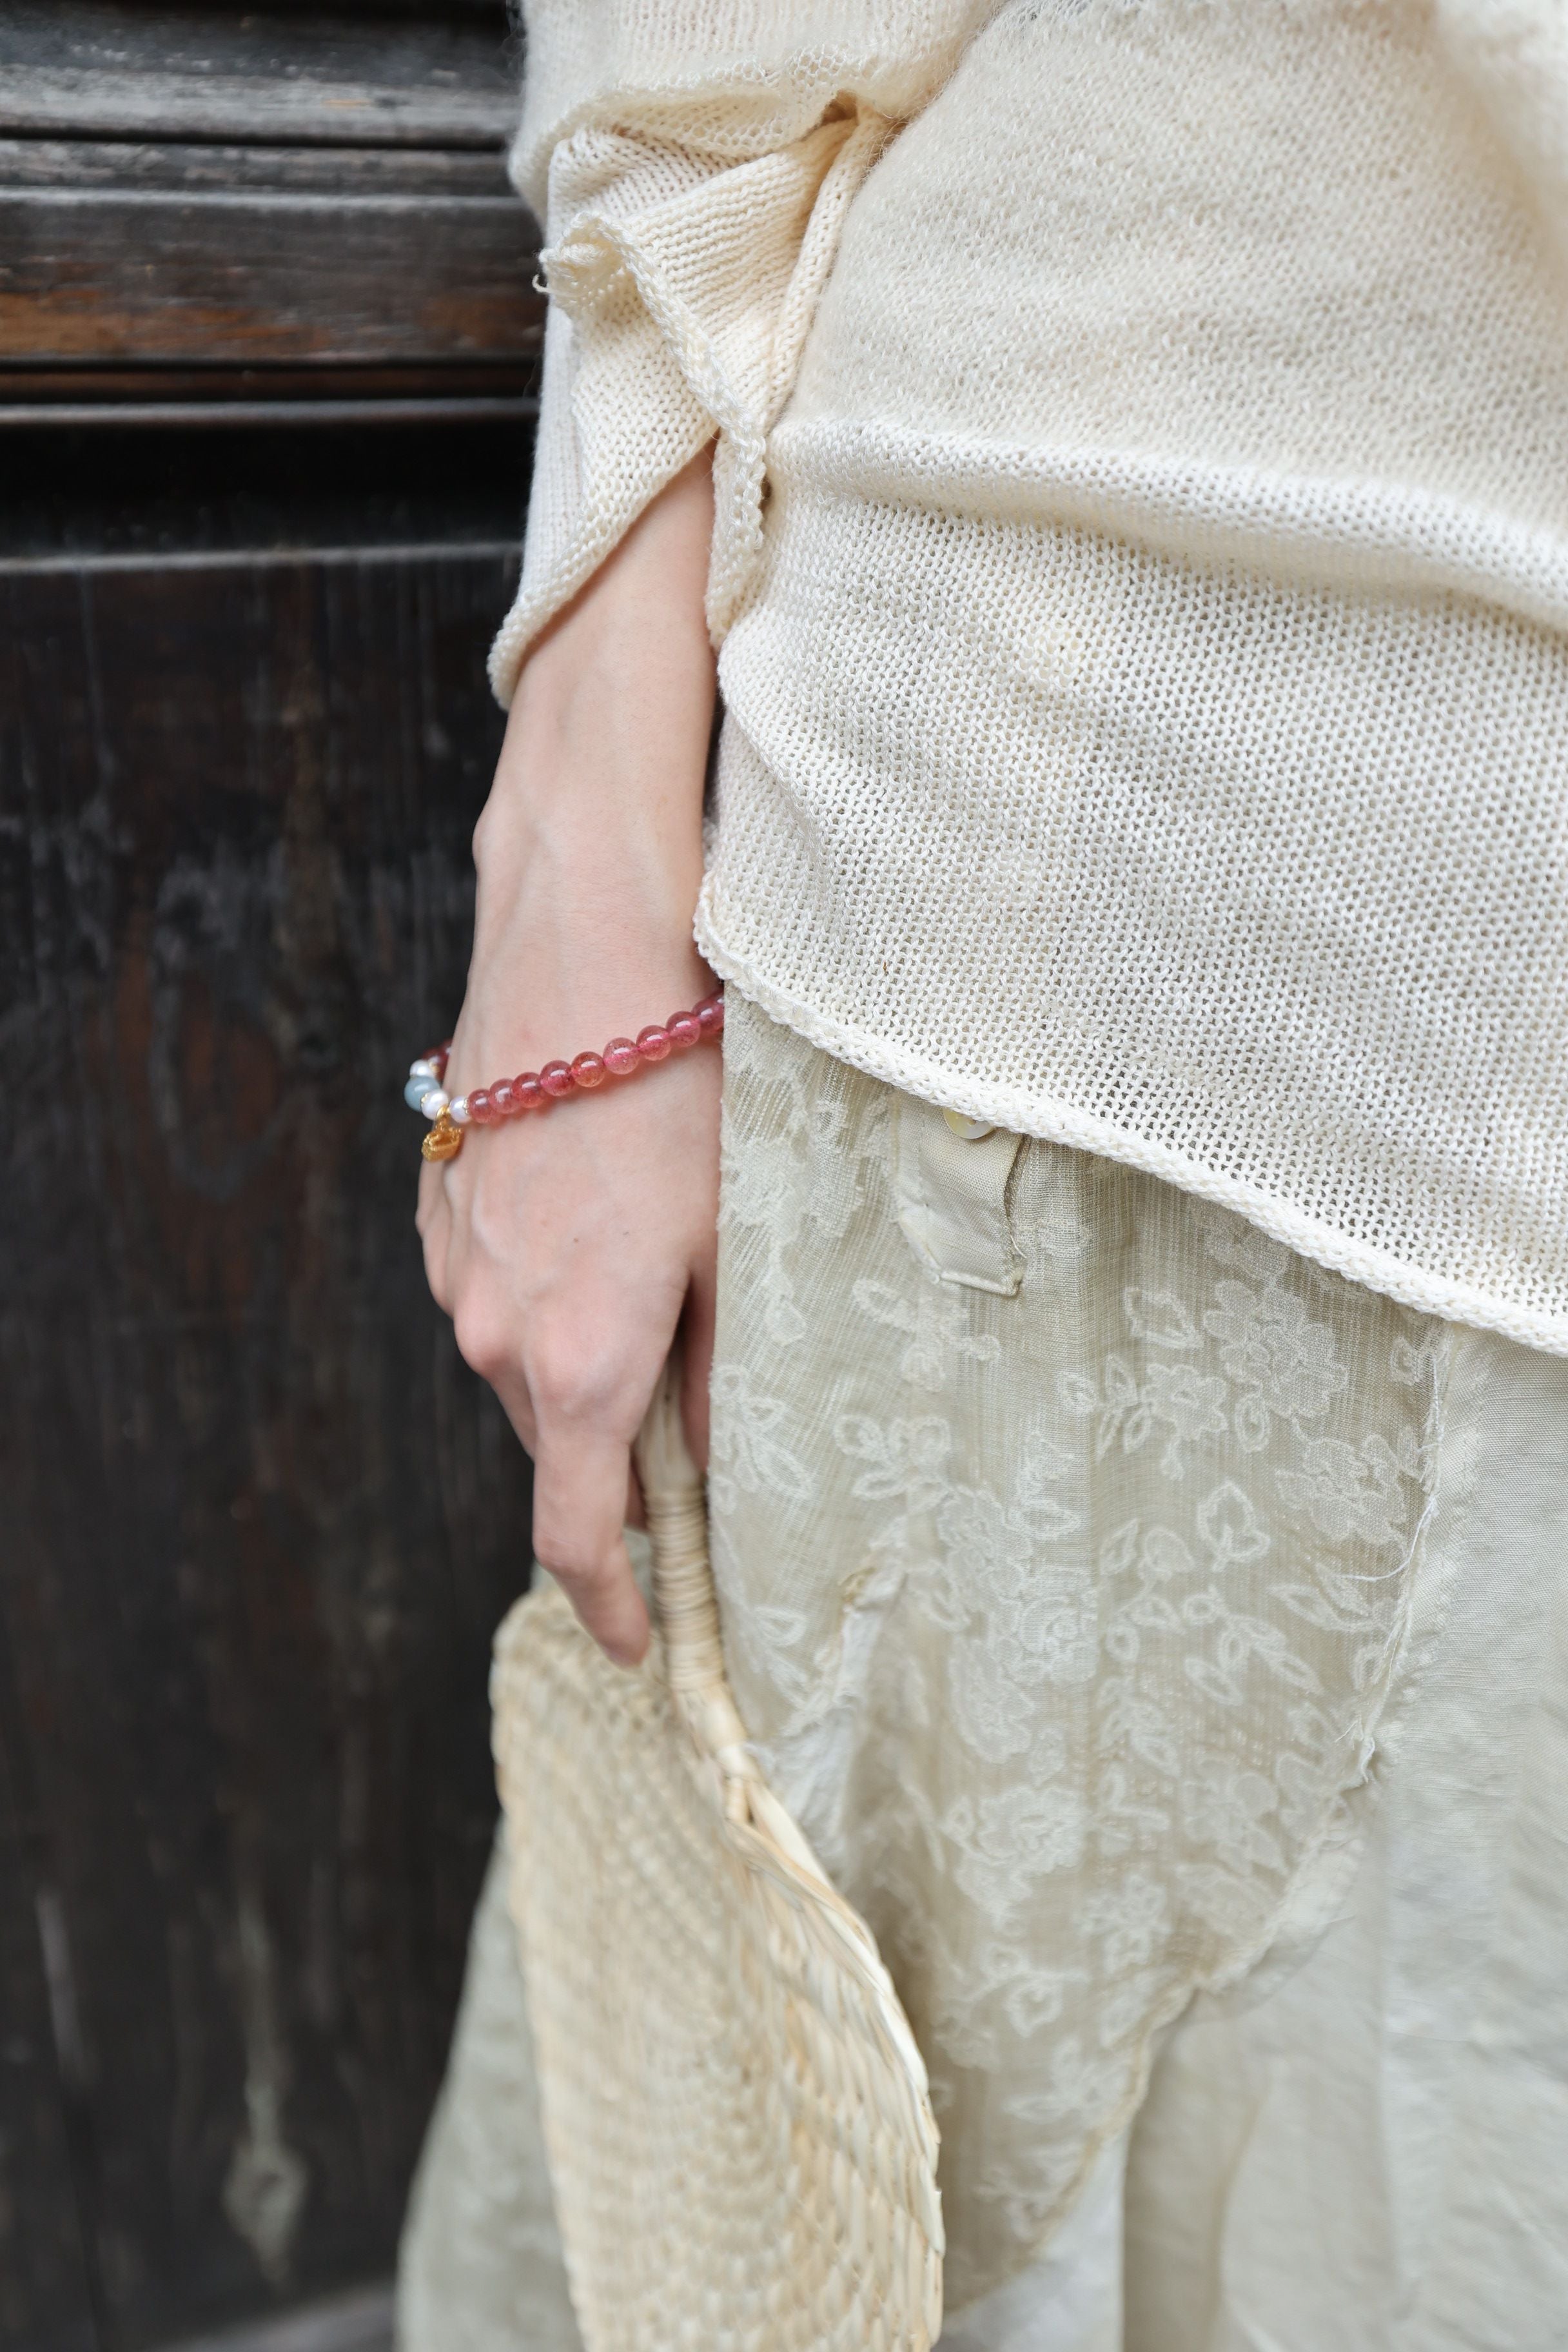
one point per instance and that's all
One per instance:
(306, 415)
(106, 275)
(111, 384)
(225, 106)
(262, 1522)
(77, 166)
(376, 76)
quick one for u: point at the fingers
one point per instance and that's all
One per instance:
(585, 1489)
(580, 1494)
(565, 1277)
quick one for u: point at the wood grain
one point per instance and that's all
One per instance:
(117, 385)
(261, 1521)
(187, 169)
(431, 77)
(109, 274)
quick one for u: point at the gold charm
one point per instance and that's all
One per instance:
(445, 1140)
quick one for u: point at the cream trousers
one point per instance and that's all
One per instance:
(1164, 1642)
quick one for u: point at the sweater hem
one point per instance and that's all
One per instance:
(1054, 1120)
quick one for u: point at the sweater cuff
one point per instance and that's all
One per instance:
(681, 292)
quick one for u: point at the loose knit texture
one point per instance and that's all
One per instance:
(1141, 567)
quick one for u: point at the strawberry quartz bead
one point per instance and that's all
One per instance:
(621, 1056)
(504, 1103)
(588, 1070)
(555, 1077)
(652, 1045)
(711, 1015)
(685, 1029)
(531, 1095)
(481, 1110)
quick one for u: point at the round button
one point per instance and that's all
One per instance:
(969, 1130)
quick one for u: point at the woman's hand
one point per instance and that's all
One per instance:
(568, 1244)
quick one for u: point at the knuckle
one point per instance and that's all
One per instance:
(574, 1378)
(587, 1576)
(481, 1337)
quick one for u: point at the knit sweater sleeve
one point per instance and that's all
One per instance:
(692, 162)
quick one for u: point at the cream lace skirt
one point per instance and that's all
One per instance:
(1088, 1561)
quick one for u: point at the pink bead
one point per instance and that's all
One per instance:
(685, 1029)
(481, 1110)
(621, 1056)
(711, 1013)
(555, 1077)
(652, 1045)
(504, 1103)
(588, 1070)
(531, 1095)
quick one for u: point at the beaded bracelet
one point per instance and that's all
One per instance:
(537, 1089)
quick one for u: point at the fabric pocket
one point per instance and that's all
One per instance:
(950, 1179)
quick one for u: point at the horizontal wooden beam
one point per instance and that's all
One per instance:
(364, 555)
(229, 106)
(366, 75)
(521, 409)
(112, 384)
(198, 167)
(154, 275)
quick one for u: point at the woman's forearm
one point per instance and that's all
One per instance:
(589, 851)
(567, 1249)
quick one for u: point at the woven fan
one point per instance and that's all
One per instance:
(740, 2138)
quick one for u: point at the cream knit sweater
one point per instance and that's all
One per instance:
(1140, 565)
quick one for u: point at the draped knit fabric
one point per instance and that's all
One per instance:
(1141, 566)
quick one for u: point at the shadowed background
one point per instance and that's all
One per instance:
(266, 348)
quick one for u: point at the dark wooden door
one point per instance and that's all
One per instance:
(267, 342)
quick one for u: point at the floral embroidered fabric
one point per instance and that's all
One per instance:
(1065, 1617)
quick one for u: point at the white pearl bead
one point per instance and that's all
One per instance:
(457, 1110)
(434, 1103)
(421, 1069)
(967, 1129)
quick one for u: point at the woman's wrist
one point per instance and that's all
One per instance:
(584, 925)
